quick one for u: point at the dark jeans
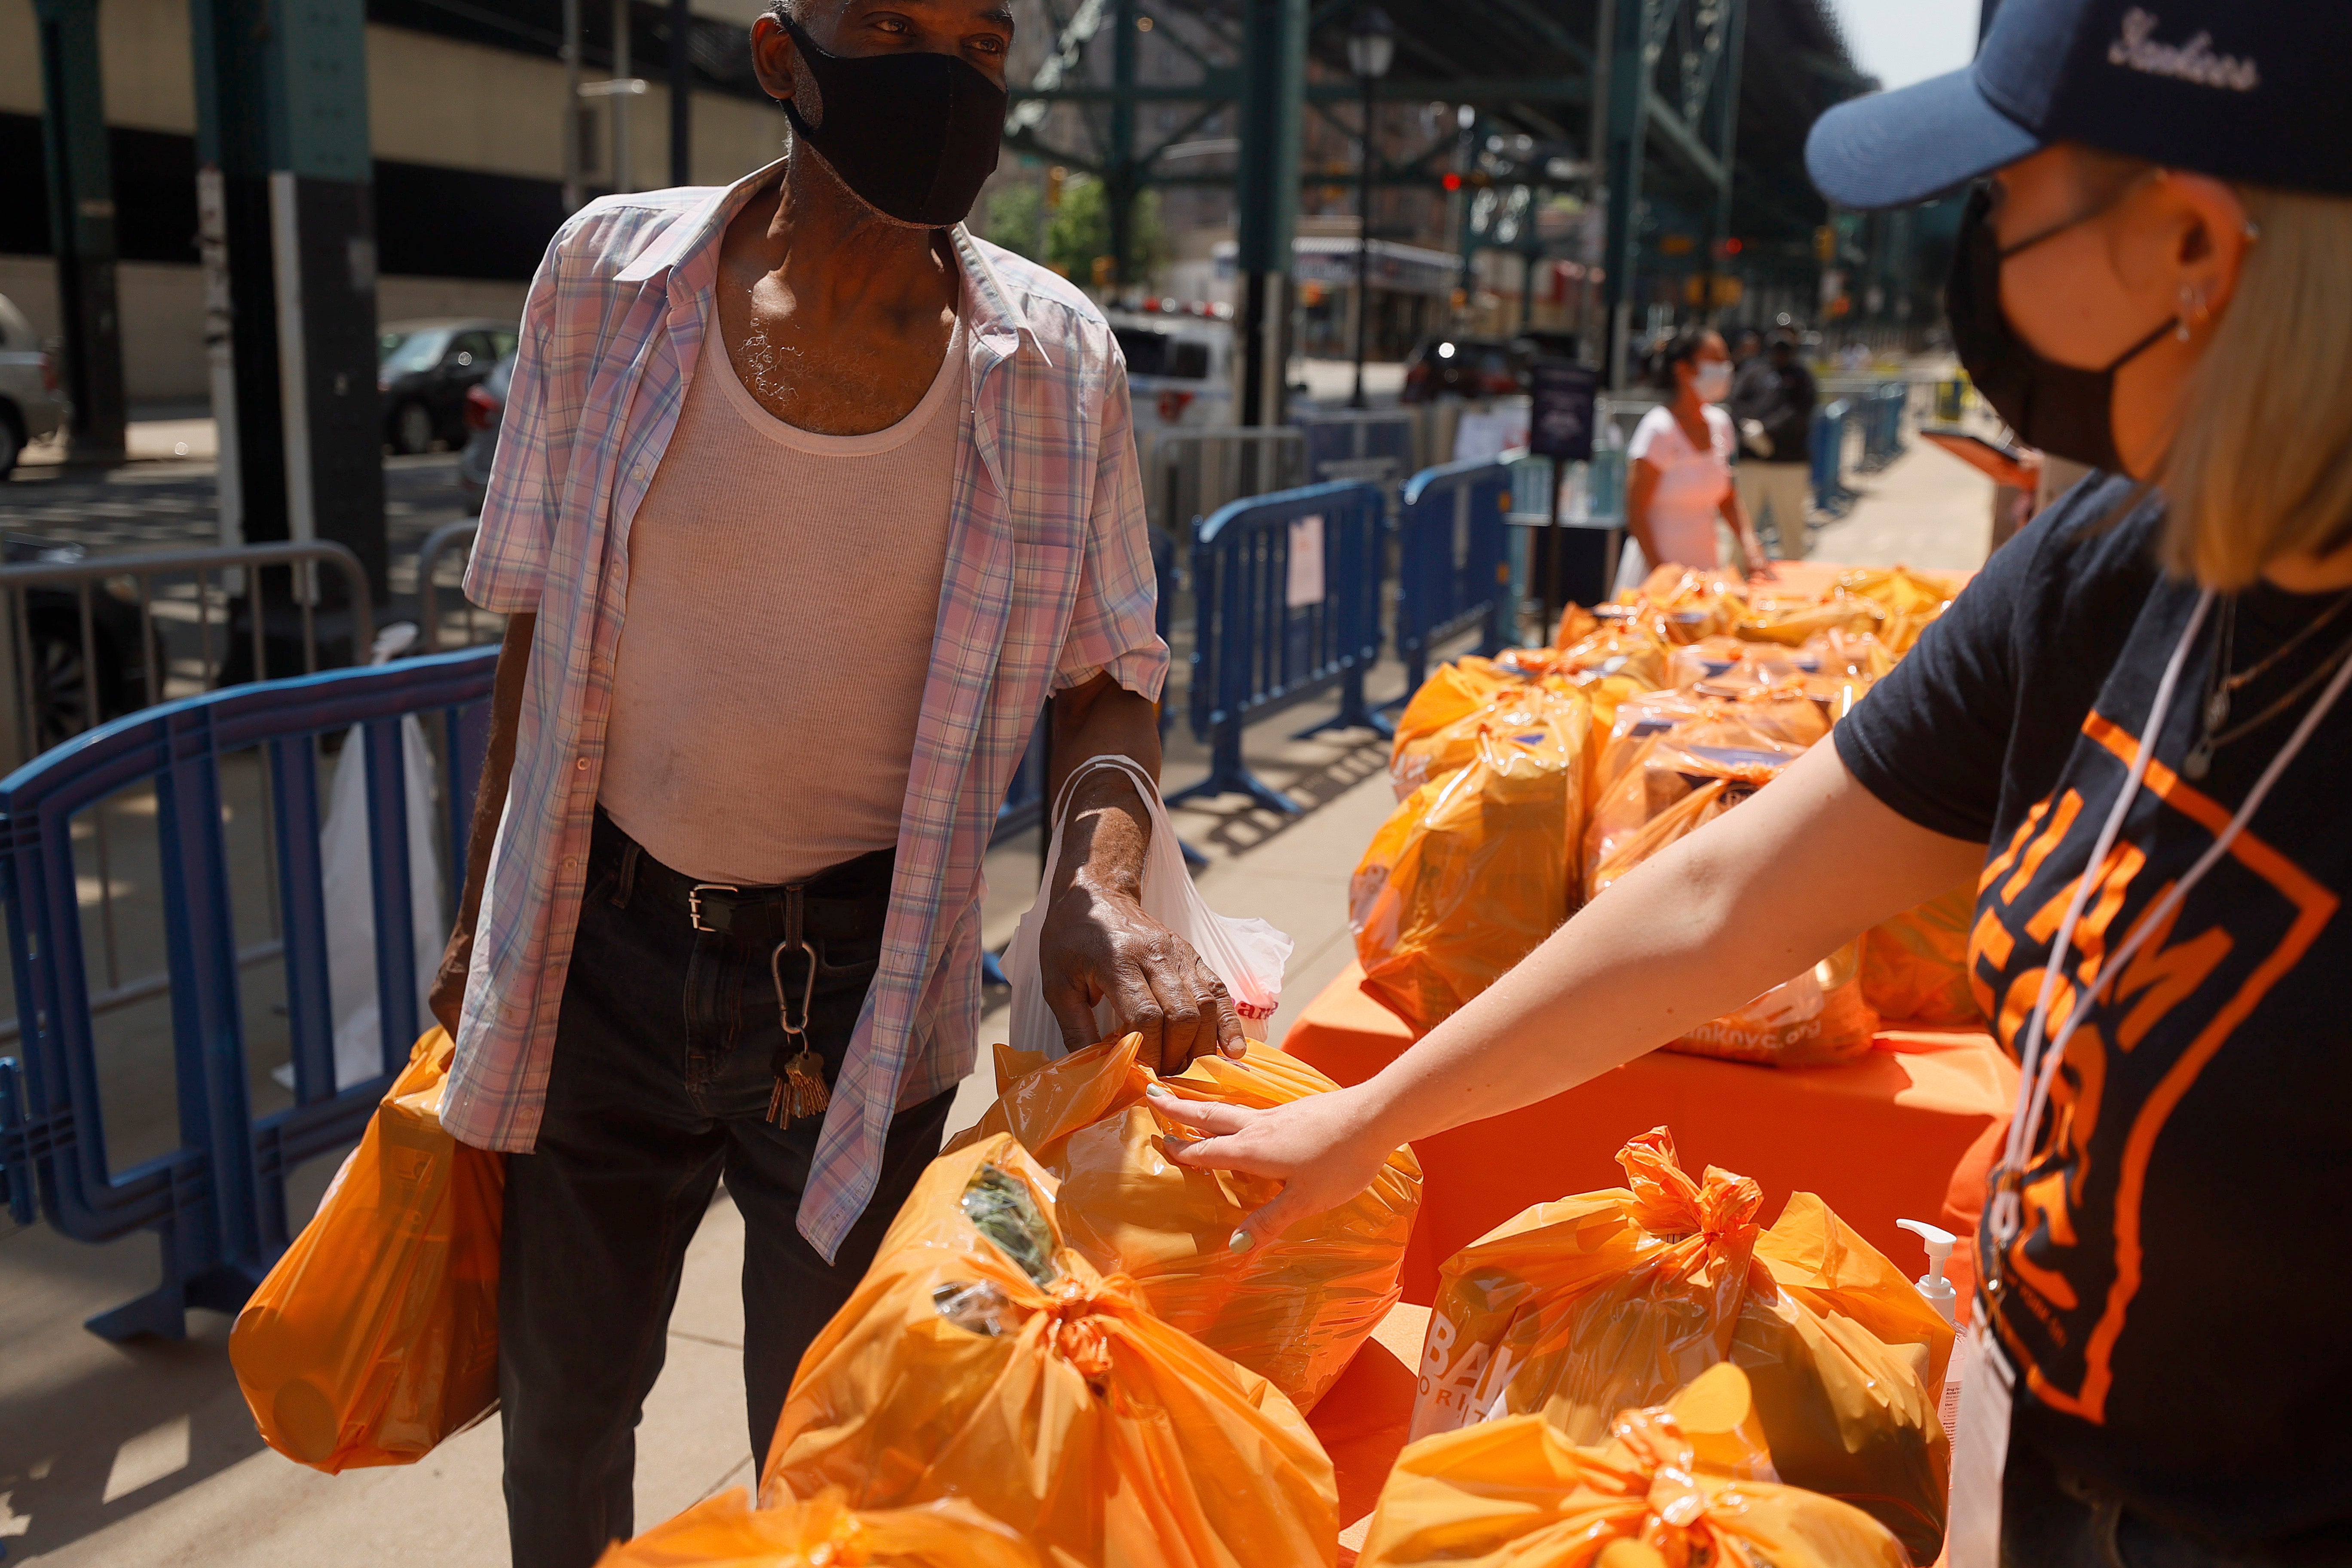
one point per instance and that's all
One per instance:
(660, 1084)
(2049, 1521)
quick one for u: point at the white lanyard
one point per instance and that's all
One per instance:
(1980, 1450)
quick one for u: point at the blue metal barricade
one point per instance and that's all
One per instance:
(1830, 495)
(1287, 594)
(1452, 571)
(1880, 411)
(217, 1200)
(1374, 446)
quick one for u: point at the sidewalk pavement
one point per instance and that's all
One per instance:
(143, 1453)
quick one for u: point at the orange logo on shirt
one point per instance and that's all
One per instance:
(2075, 1265)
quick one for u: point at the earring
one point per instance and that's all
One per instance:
(2188, 307)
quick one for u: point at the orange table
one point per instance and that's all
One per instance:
(1363, 1419)
(1877, 1140)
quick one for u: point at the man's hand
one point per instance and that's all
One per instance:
(1098, 942)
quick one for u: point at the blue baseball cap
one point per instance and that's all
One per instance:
(2251, 90)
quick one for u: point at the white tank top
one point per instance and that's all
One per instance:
(782, 591)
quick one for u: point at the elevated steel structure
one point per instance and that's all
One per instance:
(1660, 100)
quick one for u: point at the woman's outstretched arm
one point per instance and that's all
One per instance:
(1757, 896)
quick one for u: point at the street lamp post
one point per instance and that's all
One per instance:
(1371, 46)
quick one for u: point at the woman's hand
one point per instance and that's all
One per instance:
(1324, 1150)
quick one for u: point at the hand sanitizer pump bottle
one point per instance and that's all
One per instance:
(1940, 1295)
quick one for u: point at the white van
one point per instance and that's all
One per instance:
(32, 404)
(1180, 363)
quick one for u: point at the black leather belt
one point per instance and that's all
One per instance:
(776, 919)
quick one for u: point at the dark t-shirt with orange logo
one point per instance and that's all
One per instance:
(2178, 1301)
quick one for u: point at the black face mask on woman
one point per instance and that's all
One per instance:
(913, 135)
(2060, 409)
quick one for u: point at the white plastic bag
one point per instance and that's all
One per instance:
(347, 881)
(1248, 955)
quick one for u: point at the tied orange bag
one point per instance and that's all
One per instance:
(1592, 1304)
(376, 1335)
(982, 1358)
(1915, 967)
(1294, 1309)
(1532, 715)
(1469, 875)
(726, 1532)
(1689, 1482)
(1682, 780)
(1452, 691)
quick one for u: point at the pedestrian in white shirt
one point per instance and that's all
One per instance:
(1678, 469)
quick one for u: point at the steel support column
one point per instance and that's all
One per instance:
(1726, 135)
(282, 134)
(81, 224)
(1273, 99)
(1631, 60)
(1121, 180)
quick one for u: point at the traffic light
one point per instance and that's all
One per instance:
(1825, 243)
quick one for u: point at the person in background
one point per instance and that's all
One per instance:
(1773, 405)
(1678, 468)
(806, 501)
(2129, 734)
(1745, 344)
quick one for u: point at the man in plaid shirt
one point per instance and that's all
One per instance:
(805, 502)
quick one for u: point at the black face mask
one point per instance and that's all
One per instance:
(913, 135)
(2059, 409)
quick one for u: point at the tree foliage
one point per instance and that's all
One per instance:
(1078, 230)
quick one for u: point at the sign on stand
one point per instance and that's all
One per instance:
(1560, 427)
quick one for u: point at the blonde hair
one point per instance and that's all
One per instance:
(2260, 464)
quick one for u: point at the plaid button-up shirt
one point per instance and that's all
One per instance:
(1048, 583)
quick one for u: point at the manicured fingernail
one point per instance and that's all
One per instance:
(1157, 1091)
(1241, 1241)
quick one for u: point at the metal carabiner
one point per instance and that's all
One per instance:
(800, 1074)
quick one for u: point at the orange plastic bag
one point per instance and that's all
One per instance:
(376, 1335)
(982, 1358)
(1897, 590)
(1794, 622)
(1526, 713)
(726, 1532)
(1293, 1310)
(1683, 779)
(1469, 876)
(1915, 967)
(1820, 1018)
(1689, 1481)
(1782, 713)
(1680, 605)
(1578, 1308)
(1451, 691)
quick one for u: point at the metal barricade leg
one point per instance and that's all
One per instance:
(1229, 774)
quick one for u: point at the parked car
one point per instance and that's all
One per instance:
(424, 370)
(1180, 368)
(59, 674)
(1462, 367)
(486, 405)
(32, 404)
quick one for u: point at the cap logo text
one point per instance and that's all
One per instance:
(2193, 61)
